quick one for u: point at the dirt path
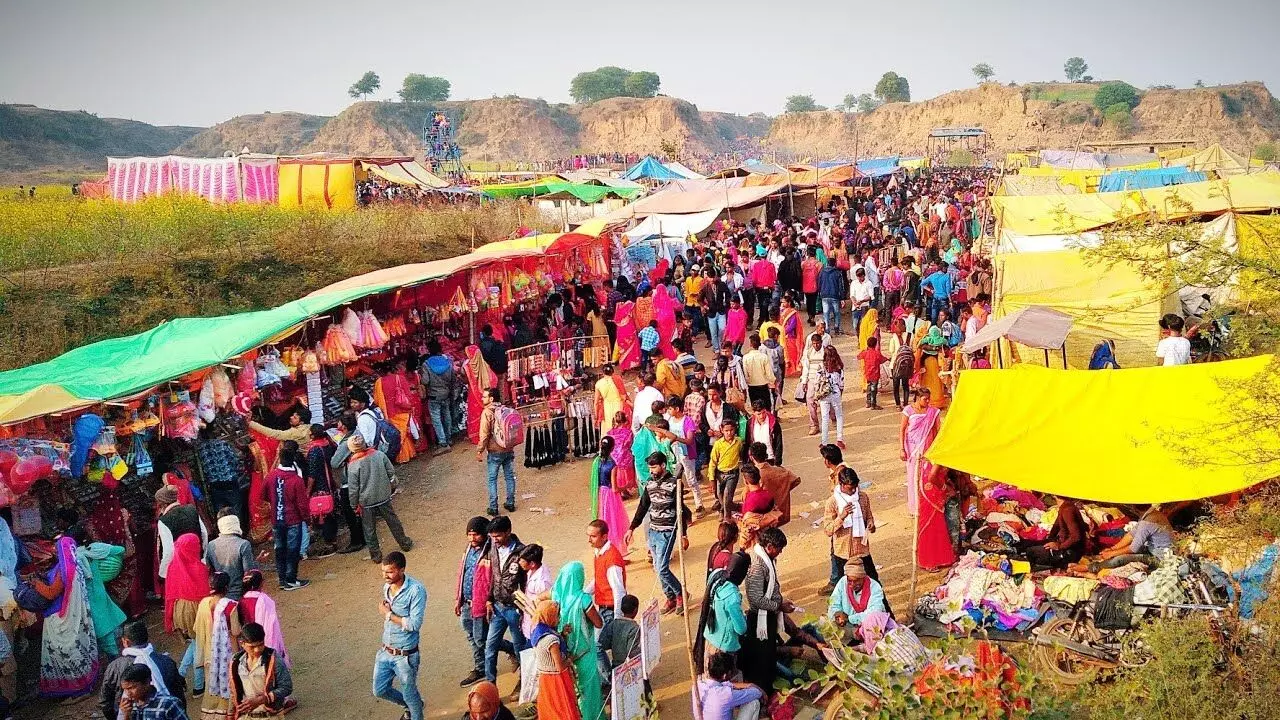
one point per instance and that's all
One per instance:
(333, 627)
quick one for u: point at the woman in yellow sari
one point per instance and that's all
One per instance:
(929, 347)
(393, 395)
(867, 328)
(611, 398)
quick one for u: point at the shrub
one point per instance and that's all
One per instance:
(1231, 105)
(1267, 152)
(1077, 116)
(1116, 93)
(1119, 117)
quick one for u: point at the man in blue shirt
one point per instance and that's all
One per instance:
(939, 284)
(404, 603)
(722, 698)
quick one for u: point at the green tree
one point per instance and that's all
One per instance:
(849, 104)
(1267, 152)
(421, 88)
(365, 86)
(1116, 93)
(893, 88)
(642, 84)
(867, 102)
(983, 72)
(1199, 83)
(611, 81)
(801, 103)
(1075, 68)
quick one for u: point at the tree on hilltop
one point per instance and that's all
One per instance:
(867, 102)
(983, 72)
(1116, 93)
(893, 88)
(1075, 69)
(611, 81)
(365, 86)
(801, 103)
(421, 88)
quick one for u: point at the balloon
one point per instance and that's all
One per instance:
(27, 471)
(8, 459)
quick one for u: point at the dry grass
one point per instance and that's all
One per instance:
(79, 270)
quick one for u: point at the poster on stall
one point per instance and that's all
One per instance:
(628, 690)
(650, 637)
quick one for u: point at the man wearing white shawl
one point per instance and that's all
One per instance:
(848, 521)
(765, 607)
(138, 650)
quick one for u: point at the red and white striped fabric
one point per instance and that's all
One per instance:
(131, 179)
(213, 179)
(260, 180)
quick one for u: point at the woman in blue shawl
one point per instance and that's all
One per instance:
(1104, 356)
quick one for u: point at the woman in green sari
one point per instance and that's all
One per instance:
(101, 563)
(578, 618)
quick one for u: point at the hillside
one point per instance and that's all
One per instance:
(275, 133)
(36, 143)
(1238, 116)
(47, 144)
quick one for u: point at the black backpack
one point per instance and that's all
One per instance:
(388, 438)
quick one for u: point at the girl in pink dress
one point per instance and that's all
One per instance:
(664, 311)
(735, 326)
(605, 503)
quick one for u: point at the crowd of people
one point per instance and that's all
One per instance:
(689, 439)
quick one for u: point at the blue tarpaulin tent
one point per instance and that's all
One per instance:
(650, 169)
(877, 167)
(1146, 179)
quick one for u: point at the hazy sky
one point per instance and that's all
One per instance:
(197, 62)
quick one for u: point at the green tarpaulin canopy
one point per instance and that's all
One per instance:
(586, 193)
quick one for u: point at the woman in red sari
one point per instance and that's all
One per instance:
(790, 319)
(479, 378)
(626, 351)
(933, 541)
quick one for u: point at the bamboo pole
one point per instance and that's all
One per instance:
(684, 585)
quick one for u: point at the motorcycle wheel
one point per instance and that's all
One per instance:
(1067, 666)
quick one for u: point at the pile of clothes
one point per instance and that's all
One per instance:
(985, 590)
(1002, 515)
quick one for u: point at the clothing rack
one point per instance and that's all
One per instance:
(541, 369)
(559, 427)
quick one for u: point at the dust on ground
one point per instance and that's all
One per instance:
(333, 628)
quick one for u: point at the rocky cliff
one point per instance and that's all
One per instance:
(1238, 116)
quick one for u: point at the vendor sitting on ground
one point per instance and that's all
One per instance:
(1065, 543)
(1149, 538)
(855, 596)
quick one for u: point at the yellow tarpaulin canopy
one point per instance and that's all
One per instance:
(1068, 214)
(1117, 436)
(329, 183)
(592, 227)
(405, 173)
(1113, 303)
(37, 402)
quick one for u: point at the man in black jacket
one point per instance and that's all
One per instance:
(494, 352)
(506, 578)
(138, 649)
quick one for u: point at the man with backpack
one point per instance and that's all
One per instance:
(377, 432)
(501, 432)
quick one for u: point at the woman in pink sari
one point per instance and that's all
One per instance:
(664, 311)
(624, 470)
(933, 540)
(919, 428)
(626, 351)
(606, 505)
(258, 607)
(479, 378)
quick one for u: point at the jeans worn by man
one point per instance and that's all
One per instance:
(715, 330)
(505, 617)
(388, 514)
(477, 631)
(442, 420)
(831, 312)
(661, 544)
(506, 461)
(288, 551)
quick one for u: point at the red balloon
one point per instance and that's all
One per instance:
(8, 459)
(27, 471)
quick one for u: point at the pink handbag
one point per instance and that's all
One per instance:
(321, 505)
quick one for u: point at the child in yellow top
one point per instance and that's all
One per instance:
(726, 458)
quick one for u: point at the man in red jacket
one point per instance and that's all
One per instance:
(290, 508)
